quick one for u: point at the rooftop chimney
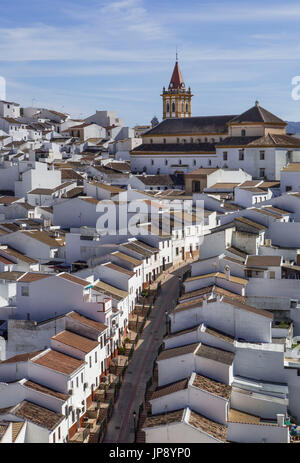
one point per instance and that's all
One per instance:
(280, 420)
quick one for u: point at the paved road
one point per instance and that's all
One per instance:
(121, 426)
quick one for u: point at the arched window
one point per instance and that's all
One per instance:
(243, 133)
(187, 107)
(182, 107)
(168, 107)
(173, 107)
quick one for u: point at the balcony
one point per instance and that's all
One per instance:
(81, 437)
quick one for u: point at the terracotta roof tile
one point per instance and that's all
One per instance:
(32, 276)
(178, 351)
(216, 430)
(212, 386)
(76, 341)
(46, 390)
(59, 362)
(170, 388)
(22, 357)
(74, 279)
(218, 355)
(38, 415)
(87, 321)
(166, 418)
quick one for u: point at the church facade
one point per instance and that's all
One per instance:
(255, 141)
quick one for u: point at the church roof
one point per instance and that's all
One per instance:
(175, 148)
(176, 79)
(257, 114)
(269, 140)
(191, 126)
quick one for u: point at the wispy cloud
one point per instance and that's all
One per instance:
(244, 12)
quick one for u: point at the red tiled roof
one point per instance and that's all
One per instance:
(176, 78)
(59, 362)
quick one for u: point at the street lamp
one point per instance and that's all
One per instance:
(134, 420)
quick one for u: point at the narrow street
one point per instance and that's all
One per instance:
(121, 426)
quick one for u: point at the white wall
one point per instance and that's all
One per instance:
(250, 433)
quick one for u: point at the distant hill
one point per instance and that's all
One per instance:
(293, 127)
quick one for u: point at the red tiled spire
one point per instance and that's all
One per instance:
(176, 79)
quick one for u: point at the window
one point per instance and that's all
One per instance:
(59, 435)
(209, 162)
(177, 251)
(241, 155)
(182, 107)
(77, 382)
(225, 156)
(166, 162)
(151, 140)
(168, 107)
(90, 361)
(54, 440)
(243, 132)
(180, 162)
(96, 359)
(82, 376)
(152, 162)
(187, 107)
(25, 290)
(261, 172)
(102, 367)
(173, 107)
(194, 162)
(101, 342)
(262, 155)
(196, 186)
(288, 188)
(165, 141)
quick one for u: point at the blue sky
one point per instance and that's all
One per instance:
(78, 56)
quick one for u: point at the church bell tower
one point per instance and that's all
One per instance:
(177, 99)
